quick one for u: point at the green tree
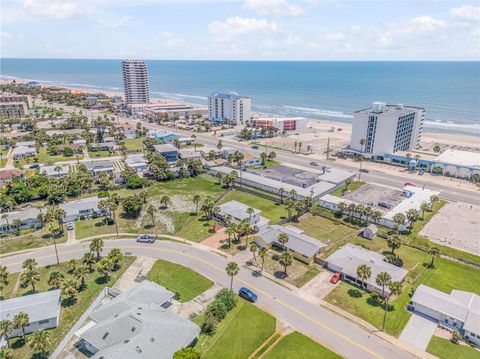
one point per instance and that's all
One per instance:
(55, 279)
(104, 267)
(283, 239)
(186, 353)
(89, 260)
(6, 328)
(262, 253)
(232, 270)
(80, 275)
(96, 245)
(253, 249)
(39, 341)
(115, 256)
(394, 242)
(3, 278)
(196, 201)
(364, 272)
(286, 259)
(395, 289)
(151, 212)
(7, 353)
(383, 279)
(20, 321)
(30, 275)
(69, 289)
(434, 252)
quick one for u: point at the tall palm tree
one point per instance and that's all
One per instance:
(69, 288)
(253, 249)
(4, 280)
(96, 245)
(281, 192)
(433, 199)
(104, 267)
(383, 279)
(364, 272)
(29, 263)
(20, 321)
(250, 211)
(55, 279)
(89, 260)
(143, 195)
(6, 328)
(151, 212)
(39, 341)
(232, 270)
(395, 289)
(165, 201)
(196, 201)
(80, 275)
(394, 242)
(262, 253)
(434, 252)
(286, 259)
(283, 239)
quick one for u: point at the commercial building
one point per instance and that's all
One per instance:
(230, 108)
(81, 209)
(348, 258)
(14, 106)
(170, 109)
(458, 310)
(170, 152)
(135, 82)
(302, 247)
(43, 311)
(282, 124)
(27, 219)
(136, 324)
(386, 129)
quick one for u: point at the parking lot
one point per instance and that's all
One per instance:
(290, 175)
(371, 195)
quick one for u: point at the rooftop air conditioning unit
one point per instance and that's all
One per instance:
(379, 107)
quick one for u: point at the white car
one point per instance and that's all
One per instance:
(145, 238)
(70, 226)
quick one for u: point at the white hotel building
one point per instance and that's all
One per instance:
(135, 82)
(230, 108)
(387, 129)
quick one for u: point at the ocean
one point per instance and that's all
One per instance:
(449, 91)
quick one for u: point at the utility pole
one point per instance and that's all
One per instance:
(328, 148)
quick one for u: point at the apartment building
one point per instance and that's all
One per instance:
(230, 108)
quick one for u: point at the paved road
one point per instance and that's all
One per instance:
(335, 332)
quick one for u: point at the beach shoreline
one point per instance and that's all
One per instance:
(323, 125)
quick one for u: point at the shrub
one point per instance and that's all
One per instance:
(393, 259)
(228, 298)
(217, 309)
(187, 353)
(103, 194)
(209, 324)
(136, 182)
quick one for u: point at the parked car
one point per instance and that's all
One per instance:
(247, 294)
(364, 170)
(70, 226)
(384, 205)
(408, 184)
(421, 172)
(35, 165)
(314, 164)
(336, 277)
(145, 238)
(255, 147)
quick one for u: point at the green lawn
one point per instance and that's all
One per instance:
(7, 292)
(445, 349)
(96, 227)
(37, 239)
(70, 313)
(299, 346)
(45, 158)
(351, 187)
(134, 143)
(271, 210)
(243, 330)
(192, 227)
(102, 153)
(325, 230)
(184, 282)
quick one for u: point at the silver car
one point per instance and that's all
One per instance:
(145, 238)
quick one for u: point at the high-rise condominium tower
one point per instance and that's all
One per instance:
(135, 82)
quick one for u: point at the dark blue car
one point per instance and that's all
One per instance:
(247, 294)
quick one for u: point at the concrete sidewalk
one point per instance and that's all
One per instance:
(136, 273)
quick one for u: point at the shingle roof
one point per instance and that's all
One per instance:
(167, 147)
(38, 306)
(22, 149)
(237, 210)
(99, 165)
(73, 208)
(29, 213)
(297, 241)
(9, 174)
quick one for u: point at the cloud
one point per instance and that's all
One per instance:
(170, 39)
(335, 37)
(274, 8)
(52, 9)
(234, 26)
(427, 23)
(5, 35)
(466, 13)
(114, 22)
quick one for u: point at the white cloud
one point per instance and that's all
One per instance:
(5, 35)
(427, 23)
(274, 8)
(356, 28)
(114, 22)
(234, 26)
(466, 13)
(52, 9)
(170, 39)
(335, 37)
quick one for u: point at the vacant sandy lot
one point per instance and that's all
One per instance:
(456, 225)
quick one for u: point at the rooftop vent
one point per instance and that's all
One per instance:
(133, 329)
(152, 339)
(138, 349)
(372, 260)
(105, 335)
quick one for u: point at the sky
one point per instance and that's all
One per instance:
(241, 30)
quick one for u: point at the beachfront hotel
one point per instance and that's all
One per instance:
(283, 124)
(229, 107)
(135, 82)
(387, 129)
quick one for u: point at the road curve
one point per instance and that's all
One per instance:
(333, 331)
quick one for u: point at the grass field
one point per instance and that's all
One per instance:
(445, 349)
(271, 210)
(184, 282)
(352, 187)
(96, 227)
(134, 143)
(299, 346)
(102, 153)
(45, 158)
(243, 330)
(70, 313)
(37, 239)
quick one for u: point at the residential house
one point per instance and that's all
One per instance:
(26, 218)
(250, 159)
(81, 209)
(302, 247)
(163, 136)
(370, 231)
(168, 151)
(226, 151)
(135, 324)
(80, 142)
(137, 162)
(21, 152)
(238, 212)
(54, 171)
(458, 310)
(349, 257)
(7, 176)
(30, 144)
(100, 166)
(106, 146)
(189, 155)
(43, 311)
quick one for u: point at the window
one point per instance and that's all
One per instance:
(45, 321)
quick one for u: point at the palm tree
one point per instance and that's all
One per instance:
(30, 276)
(395, 289)
(112, 207)
(7, 353)
(80, 274)
(253, 248)
(283, 239)
(364, 272)
(151, 212)
(4, 280)
(20, 321)
(72, 264)
(6, 328)
(412, 216)
(230, 230)
(285, 260)
(219, 176)
(165, 201)
(39, 341)
(281, 192)
(196, 201)
(143, 195)
(104, 267)
(69, 288)
(115, 256)
(362, 143)
(289, 205)
(424, 207)
(250, 211)
(383, 279)
(434, 252)
(394, 242)
(55, 279)
(96, 245)
(29, 263)
(232, 270)
(262, 253)
(89, 260)
(433, 199)
(399, 219)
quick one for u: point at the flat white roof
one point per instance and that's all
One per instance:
(462, 158)
(419, 195)
(279, 119)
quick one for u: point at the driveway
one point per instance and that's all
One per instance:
(319, 287)
(418, 331)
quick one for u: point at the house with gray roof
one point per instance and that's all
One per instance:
(302, 247)
(43, 311)
(30, 144)
(20, 152)
(97, 167)
(167, 150)
(57, 171)
(349, 257)
(458, 310)
(26, 219)
(81, 209)
(238, 212)
(137, 162)
(136, 324)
